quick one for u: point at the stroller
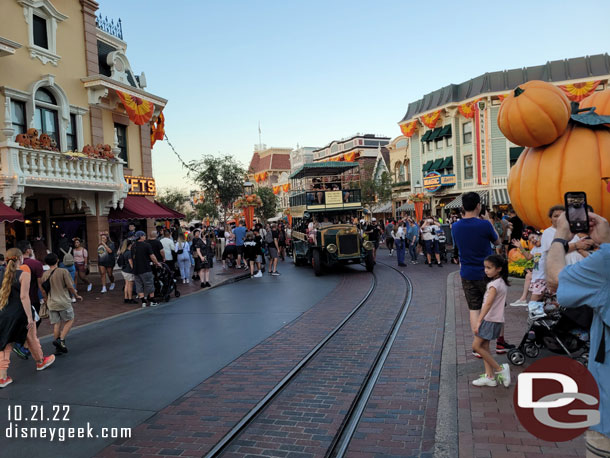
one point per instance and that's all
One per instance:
(442, 246)
(165, 283)
(564, 331)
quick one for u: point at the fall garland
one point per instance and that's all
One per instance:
(249, 201)
(418, 197)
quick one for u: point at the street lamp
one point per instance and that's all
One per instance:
(248, 188)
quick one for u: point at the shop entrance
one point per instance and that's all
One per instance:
(66, 220)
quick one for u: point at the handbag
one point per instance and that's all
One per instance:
(46, 285)
(44, 311)
(180, 251)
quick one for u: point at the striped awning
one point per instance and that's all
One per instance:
(407, 207)
(500, 197)
(457, 202)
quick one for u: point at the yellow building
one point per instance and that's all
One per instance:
(400, 170)
(66, 85)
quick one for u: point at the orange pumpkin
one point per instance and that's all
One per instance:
(576, 161)
(515, 255)
(535, 114)
(600, 100)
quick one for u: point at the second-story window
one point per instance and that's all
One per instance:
(449, 141)
(439, 143)
(45, 114)
(71, 134)
(39, 26)
(18, 117)
(467, 132)
(468, 167)
(121, 134)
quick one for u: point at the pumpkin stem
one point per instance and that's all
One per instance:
(518, 91)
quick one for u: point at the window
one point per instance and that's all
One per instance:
(429, 146)
(72, 144)
(45, 114)
(18, 117)
(448, 141)
(121, 134)
(468, 168)
(401, 144)
(439, 143)
(40, 32)
(371, 143)
(467, 132)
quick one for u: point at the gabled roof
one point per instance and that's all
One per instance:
(507, 80)
(254, 163)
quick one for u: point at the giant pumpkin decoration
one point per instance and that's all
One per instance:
(576, 161)
(535, 114)
(600, 100)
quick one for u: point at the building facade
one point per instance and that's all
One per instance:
(454, 142)
(359, 148)
(75, 143)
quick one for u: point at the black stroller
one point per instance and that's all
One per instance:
(563, 330)
(165, 283)
(442, 246)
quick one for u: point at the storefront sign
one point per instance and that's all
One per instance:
(334, 197)
(141, 186)
(433, 181)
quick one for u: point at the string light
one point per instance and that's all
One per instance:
(184, 164)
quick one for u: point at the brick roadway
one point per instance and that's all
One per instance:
(195, 422)
(304, 418)
(400, 417)
(488, 426)
(96, 306)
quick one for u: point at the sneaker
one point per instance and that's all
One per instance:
(503, 376)
(111, 286)
(484, 380)
(503, 347)
(476, 355)
(104, 290)
(207, 284)
(275, 274)
(440, 264)
(429, 265)
(89, 287)
(258, 274)
(143, 303)
(402, 264)
(519, 303)
(62, 346)
(153, 304)
(21, 351)
(46, 362)
(203, 285)
(536, 314)
(5, 381)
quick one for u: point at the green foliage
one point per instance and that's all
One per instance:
(207, 209)
(270, 203)
(173, 198)
(375, 191)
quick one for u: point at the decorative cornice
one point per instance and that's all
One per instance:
(45, 5)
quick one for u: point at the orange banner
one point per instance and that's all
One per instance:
(157, 129)
(430, 119)
(578, 91)
(276, 189)
(286, 187)
(409, 128)
(139, 111)
(467, 109)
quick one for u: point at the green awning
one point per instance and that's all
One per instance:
(447, 163)
(436, 165)
(427, 165)
(426, 136)
(516, 152)
(435, 134)
(445, 131)
(318, 169)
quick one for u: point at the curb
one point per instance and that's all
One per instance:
(49, 337)
(446, 438)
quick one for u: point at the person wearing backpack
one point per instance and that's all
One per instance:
(183, 253)
(126, 264)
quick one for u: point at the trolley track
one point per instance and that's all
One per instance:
(342, 437)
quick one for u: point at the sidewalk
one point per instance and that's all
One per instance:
(97, 306)
(487, 424)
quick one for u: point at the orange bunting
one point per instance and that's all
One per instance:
(139, 111)
(430, 119)
(468, 109)
(578, 91)
(286, 187)
(409, 128)
(276, 189)
(157, 129)
(501, 97)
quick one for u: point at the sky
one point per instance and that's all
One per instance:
(320, 70)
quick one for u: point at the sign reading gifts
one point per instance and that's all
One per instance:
(141, 186)
(434, 181)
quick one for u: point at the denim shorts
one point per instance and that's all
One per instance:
(490, 330)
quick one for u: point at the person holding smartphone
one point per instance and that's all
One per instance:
(430, 232)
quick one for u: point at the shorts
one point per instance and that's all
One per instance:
(80, 266)
(474, 290)
(432, 247)
(272, 250)
(199, 264)
(259, 258)
(55, 316)
(240, 250)
(538, 287)
(375, 243)
(145, 283)
(128, 276)
(230, 250)
(490, 330)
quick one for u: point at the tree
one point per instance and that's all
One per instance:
(220, 178)
(173, 198)
(270, 203)
(375, 190)
(207, 209)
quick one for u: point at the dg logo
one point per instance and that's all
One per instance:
(556, 399)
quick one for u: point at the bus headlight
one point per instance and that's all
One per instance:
(368, 245)
(331, 248)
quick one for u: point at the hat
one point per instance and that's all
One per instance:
(140, 234)
(373, 219)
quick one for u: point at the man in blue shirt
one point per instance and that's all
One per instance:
(588, 282)
(474, 236)
(412, 239)
(240, 236)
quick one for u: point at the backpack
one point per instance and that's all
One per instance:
(68, 258)
(269, 238)
(121, 260)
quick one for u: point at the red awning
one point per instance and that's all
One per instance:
(9, 214)
(139, 207)
(176, 214)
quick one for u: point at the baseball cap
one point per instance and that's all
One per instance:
(140, 234)
(373, 219)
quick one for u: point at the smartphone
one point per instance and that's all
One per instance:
(576, 211)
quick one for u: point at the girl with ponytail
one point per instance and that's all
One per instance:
(16, 316)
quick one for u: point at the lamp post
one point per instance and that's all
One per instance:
(248, 188)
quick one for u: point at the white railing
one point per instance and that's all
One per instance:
(500, 181)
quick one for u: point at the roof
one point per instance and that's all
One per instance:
(385, 153)
(315, 169)
(274, 161)
(254, 163)
(280, 162)
(506, 80)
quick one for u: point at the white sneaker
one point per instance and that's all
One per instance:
(503, 376)
(519, 303)
(258, 274)
(484, 380)
(188, 281)
(104, 290)
(143, 304)
(111, 286)
(153, 304)
(89, 287)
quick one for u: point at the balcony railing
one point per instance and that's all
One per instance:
(109, 26)
(326, 199)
